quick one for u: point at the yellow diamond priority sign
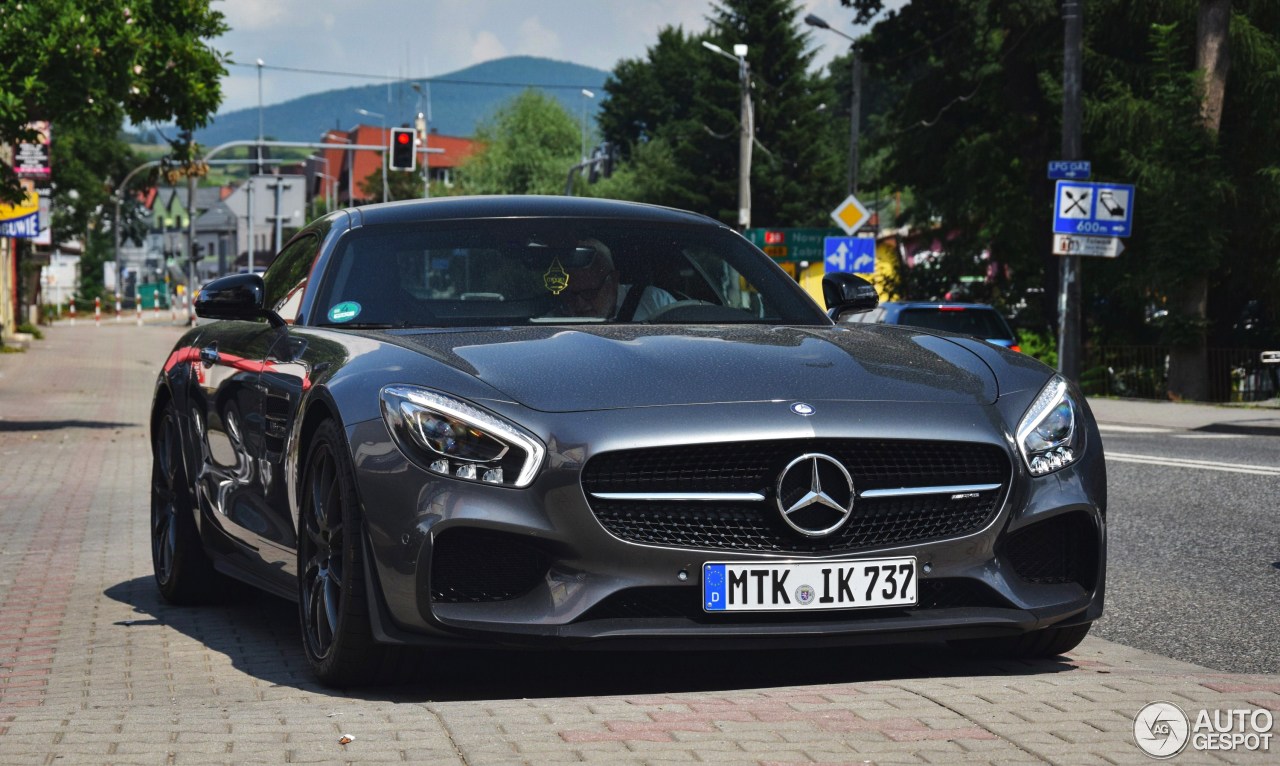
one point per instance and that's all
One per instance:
(850, 215)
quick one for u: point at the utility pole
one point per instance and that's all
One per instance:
(745, 128)
(191, 229)
(1069, 268)
(253, 169)
(855, 102)
(855, 117)
(278, 186)
(422, 129)
(744, 139)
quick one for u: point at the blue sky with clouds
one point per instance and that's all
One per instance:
(424, 38)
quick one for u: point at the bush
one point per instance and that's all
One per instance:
(1040, 345)
(31, 330)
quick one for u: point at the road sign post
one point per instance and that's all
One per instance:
(855, 255)
(1093, 209)
(1102, 247)
(850, 215)
(791, 245)
(1073, 169)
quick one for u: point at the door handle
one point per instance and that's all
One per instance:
(209, 355)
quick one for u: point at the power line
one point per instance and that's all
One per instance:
(389, 78)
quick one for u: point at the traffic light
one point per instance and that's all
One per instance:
(602, 160)
(403, 156)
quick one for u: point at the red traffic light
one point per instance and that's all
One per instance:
(402, 149)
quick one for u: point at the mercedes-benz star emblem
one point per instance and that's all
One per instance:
(800, 408)
(815, 494)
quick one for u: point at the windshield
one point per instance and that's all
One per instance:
(978, 322)
(554, 271)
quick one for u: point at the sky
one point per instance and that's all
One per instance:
(432, 38)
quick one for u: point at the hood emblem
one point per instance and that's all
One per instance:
(815, 494)
(800, 408)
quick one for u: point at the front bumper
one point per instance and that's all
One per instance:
(596, 590)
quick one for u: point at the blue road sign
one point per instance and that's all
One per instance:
(1080, 169)
(856, 255)
(1093, 209)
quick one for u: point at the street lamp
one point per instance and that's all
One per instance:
(855, 102)
(260, 65)
(254, 169)
(383, 140)
(422, 125)
(746, 129)
(586, 94)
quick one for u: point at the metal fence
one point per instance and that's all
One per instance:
(1142, 372)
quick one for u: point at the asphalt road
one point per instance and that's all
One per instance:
(1194, 558)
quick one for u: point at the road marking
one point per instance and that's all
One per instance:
(1207, 436)
(1207, 465)
(1104, 427)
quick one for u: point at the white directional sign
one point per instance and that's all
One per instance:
(1103, 247)
(856, 255)
(850, 215)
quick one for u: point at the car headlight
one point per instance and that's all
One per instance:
(1047, 435)
(455, 438)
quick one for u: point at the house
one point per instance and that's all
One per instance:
(341, 172)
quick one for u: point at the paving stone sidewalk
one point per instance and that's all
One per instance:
(95, 669)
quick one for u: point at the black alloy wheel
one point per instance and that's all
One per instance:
(332, 605)
(183, 572)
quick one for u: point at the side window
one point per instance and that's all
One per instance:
(286, 280)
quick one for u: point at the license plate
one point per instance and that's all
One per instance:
(799, 586)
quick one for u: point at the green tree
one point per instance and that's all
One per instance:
(659, 112)
(797, 171)
(90, 63)
(401, 185)
(971, 122)
(83, 203)
(676, 114)
(528, 148)
(976, 115)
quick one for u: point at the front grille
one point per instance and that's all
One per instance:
(476, 565)
(1063, 549)
(685, 602)
(755, 466)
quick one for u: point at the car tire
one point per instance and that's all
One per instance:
(333, 607)
(183, 572)
(1038, 644)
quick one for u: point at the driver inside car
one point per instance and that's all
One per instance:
(595, 290)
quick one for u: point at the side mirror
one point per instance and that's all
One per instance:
(848, 294)
(238, 296)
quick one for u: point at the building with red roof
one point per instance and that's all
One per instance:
(340, 173)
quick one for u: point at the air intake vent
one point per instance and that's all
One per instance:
(476, 565)
(1063, 549)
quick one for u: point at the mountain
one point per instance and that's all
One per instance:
(459, 101)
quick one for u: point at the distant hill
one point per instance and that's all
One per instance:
(459, 101)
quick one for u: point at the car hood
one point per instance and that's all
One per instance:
(560, 369)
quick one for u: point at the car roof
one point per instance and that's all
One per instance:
(520, 206)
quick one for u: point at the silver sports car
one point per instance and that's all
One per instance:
(534, 421)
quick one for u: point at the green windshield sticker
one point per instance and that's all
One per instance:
(344, 312)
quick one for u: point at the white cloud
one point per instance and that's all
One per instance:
(258, 16)
(486, 46)
(537, 40)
